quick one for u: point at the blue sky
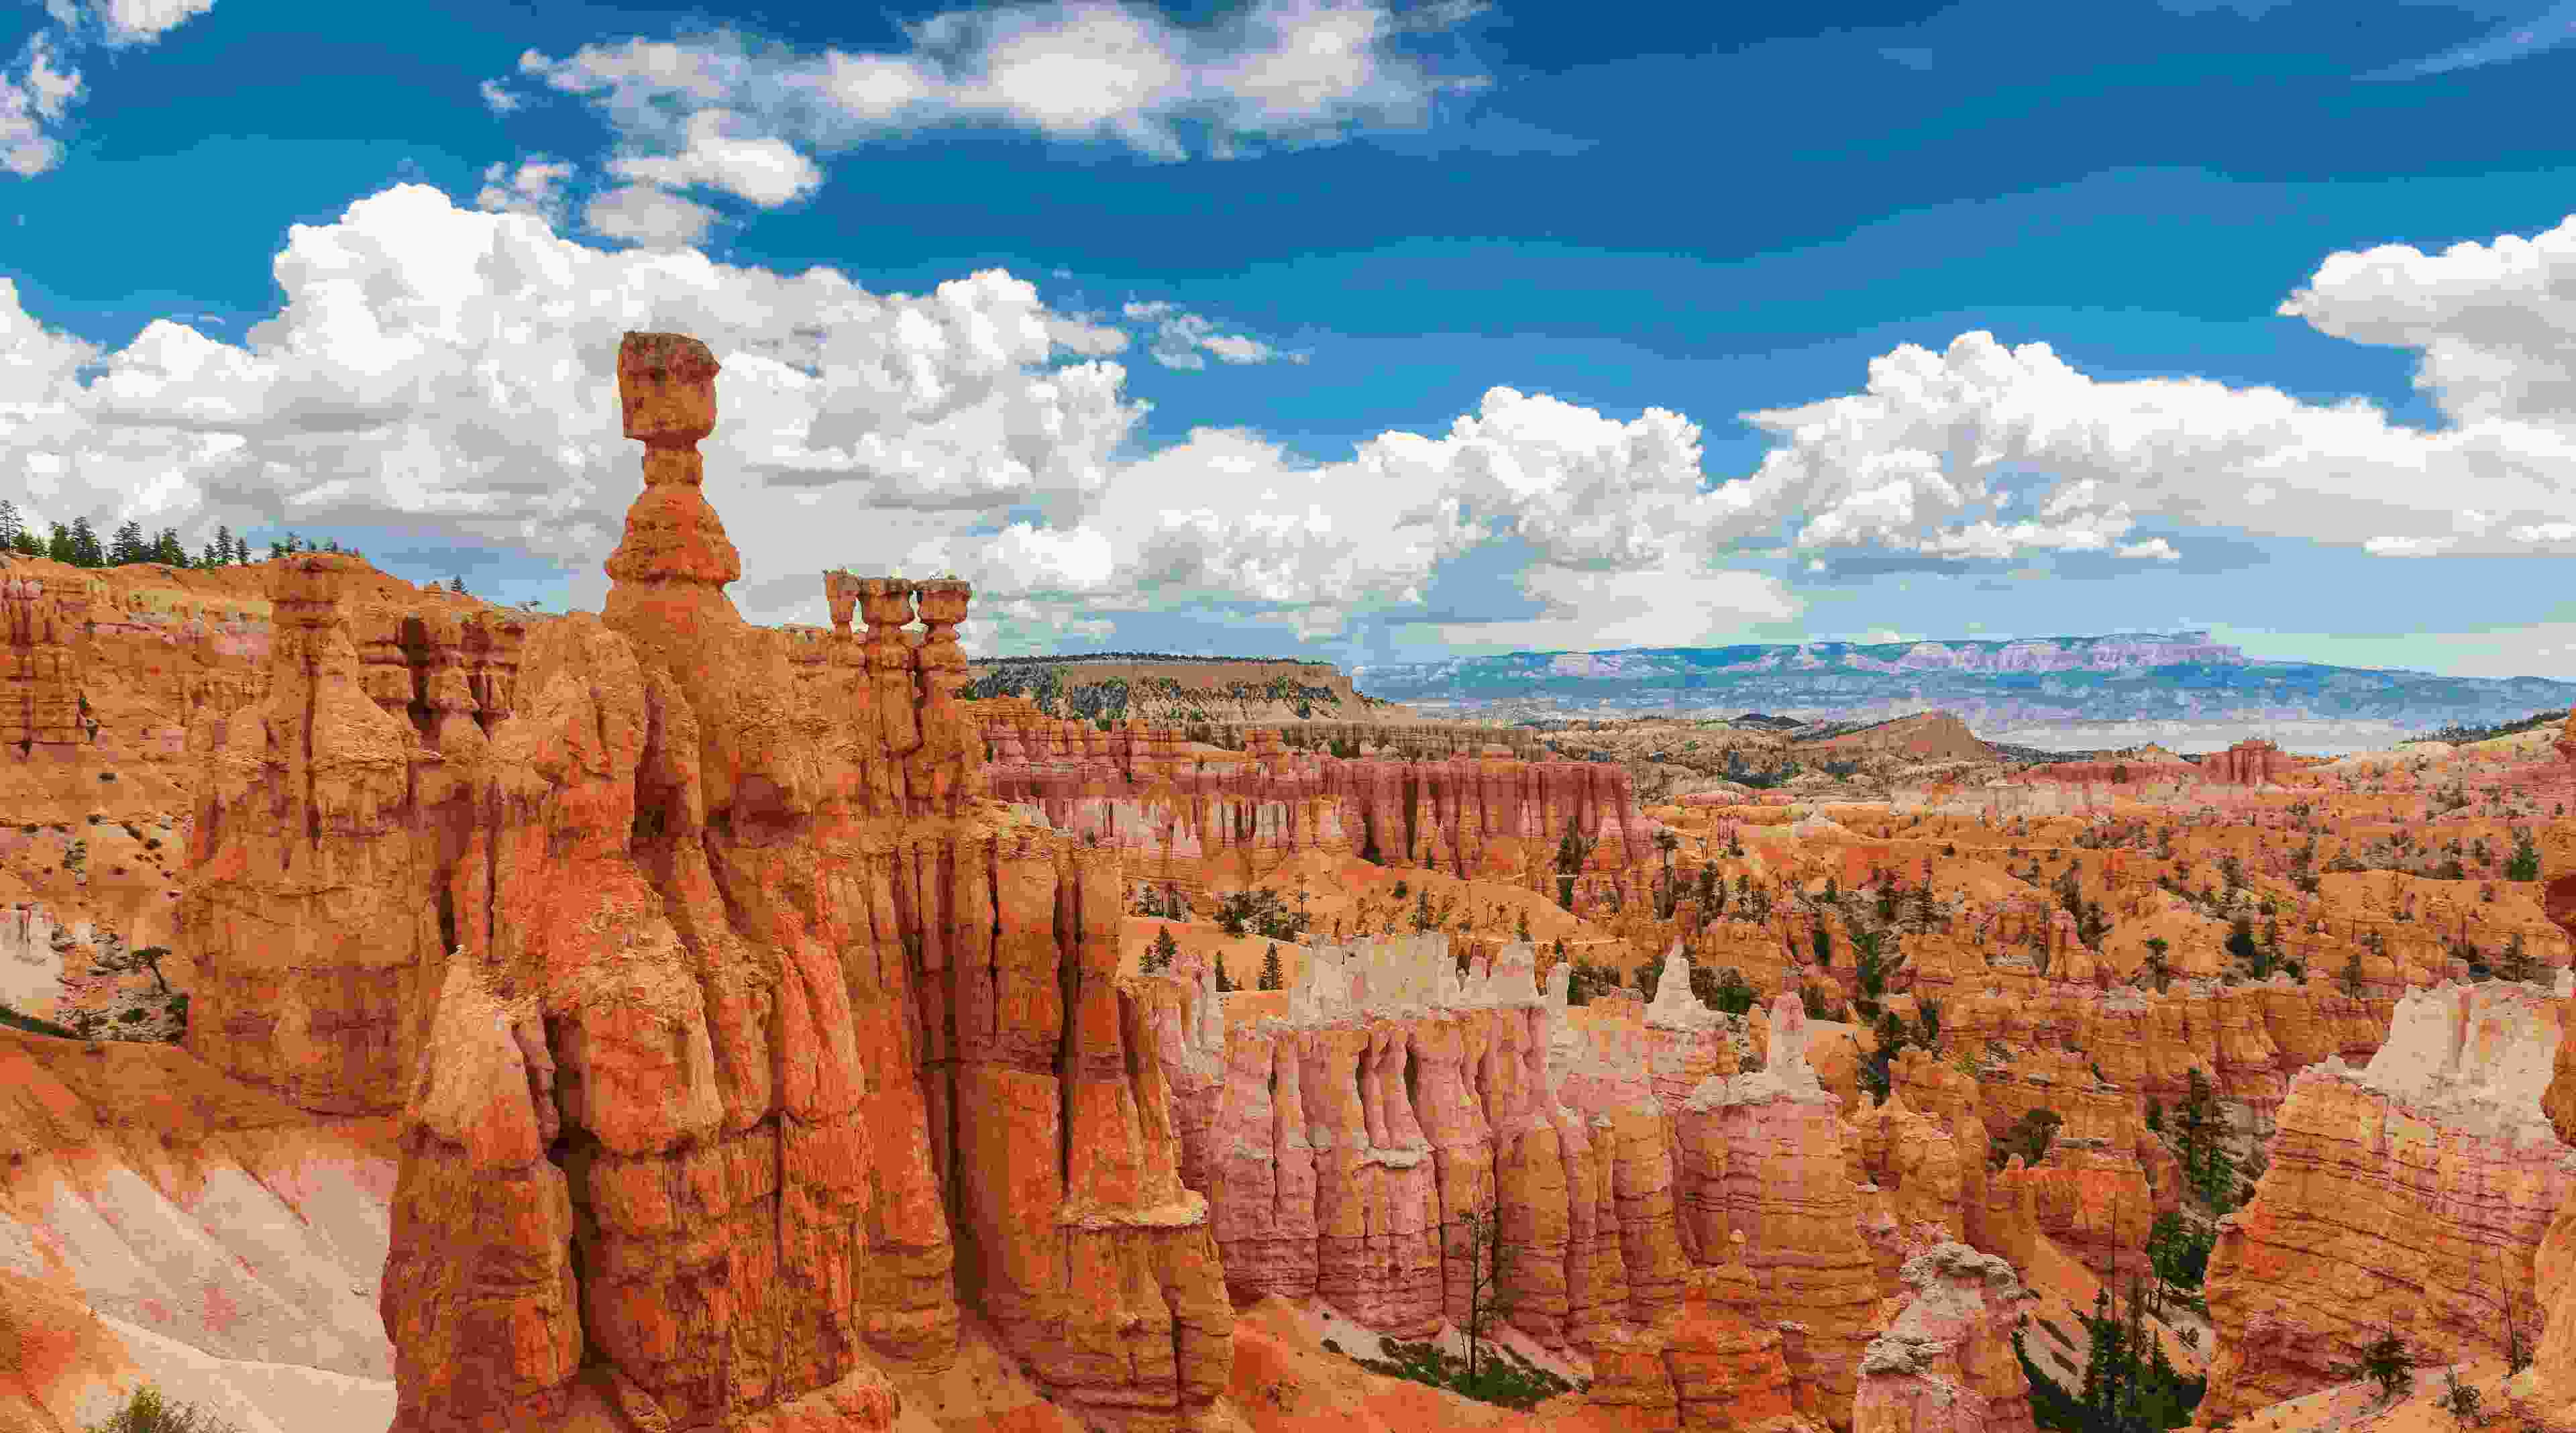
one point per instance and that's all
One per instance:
(1363, 330)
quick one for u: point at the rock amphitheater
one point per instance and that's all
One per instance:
(429, 1016)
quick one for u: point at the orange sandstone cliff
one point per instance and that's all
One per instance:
(2410, 1195)
(1195, 815)
(739, 1049)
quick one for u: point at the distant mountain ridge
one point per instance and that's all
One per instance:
(2128, 676)
(2115, 652)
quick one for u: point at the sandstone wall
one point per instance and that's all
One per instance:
(1192, 815)
(737, 1043)
(1344, 1135)
(2411, 1195)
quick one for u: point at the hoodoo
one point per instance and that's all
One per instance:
(741, 1012)
(740, 1049)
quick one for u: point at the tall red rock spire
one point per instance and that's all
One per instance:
(669, 572)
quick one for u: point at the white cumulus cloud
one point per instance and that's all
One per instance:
(39, 87)
(449, 374)
(732, 113)
(32, 99)
(1182, 339)
(642, 214)
(1929, 453)
(719, 152)
(1669, 606)
(535, 186)
(448, 371)
(1229, 519)
(131, 22)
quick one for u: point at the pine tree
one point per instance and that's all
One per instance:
(1224, 982)
(456, 584)
(2241, 944)
(166, 549)
(86, 551)
(1158, 956)
(1487, 1261)
(2386, 1362)
(2134, 1339)
(1272, 977)
(2206, 1165)
(2101, 1362)
(11, 525)
(62, 546)
(128, 545)
(2525, 865)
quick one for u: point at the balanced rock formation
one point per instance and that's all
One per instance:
(738, 1048)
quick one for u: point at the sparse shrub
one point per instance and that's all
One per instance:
(2460, 1400)
(2029, 1137)
(2385, 1361)
(146, 1411)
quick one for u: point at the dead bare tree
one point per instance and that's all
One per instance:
(1480, 1244)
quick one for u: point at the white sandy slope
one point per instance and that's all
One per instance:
(232, 1244)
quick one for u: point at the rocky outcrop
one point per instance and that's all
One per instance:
(320, 893)
(107, 669)
(736, 1043)
(1763, 1153)
(1706, 1367)
(2409, 1195)
(1946, 1362)
(41, 715)
(2548, 1387)
(1192, 818)
(2249, 763)
(1345, 1145)
(1926, 736)
(1686, 1236)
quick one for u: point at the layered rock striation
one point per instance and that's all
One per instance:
(1194, 815)
(1348, 1132)
(737, 1045)
(2410, 1196)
